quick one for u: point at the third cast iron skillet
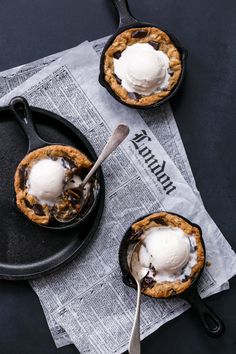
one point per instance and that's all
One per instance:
(212, 324)
(23, 115)
(127, 21)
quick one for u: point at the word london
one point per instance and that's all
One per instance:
(152, 163)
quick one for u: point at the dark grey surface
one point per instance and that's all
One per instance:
(205, 113)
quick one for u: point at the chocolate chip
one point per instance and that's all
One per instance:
(170, 71)
(155, 45)
(147, 282)
(38, 209)
(27, 204)
(185, 278)
(153, 269)
(117, 54)
(158, 220)
(117, 79)
(22, 176)
(173, 292)
(139, 34)
(134, 95)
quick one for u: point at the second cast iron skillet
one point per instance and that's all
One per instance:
(212, 324)
(23, 115)
(127, 21)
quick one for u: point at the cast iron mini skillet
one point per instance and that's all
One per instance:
(127, 21)
(23, 114)
(212, 324)
(28, 251)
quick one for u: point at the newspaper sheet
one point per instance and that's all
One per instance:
(11, 78)
(72, 296)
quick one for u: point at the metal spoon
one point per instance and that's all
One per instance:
(134, 342)
(116, 138)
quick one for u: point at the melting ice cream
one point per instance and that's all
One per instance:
(46, 180)
(166, 254)
(142, 69)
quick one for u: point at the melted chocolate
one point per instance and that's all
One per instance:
(117, 54)
(22, 176)
(147, 282)
(170, 71)
(27, 204)
(159, 220)
(185, 278)
(155, 45)
(38, 210)
(139, 34)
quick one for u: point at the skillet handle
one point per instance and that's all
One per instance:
(23, 114)
(211, 322)
(125, 17)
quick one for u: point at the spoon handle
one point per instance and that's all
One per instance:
(118, 135)
(134, 343)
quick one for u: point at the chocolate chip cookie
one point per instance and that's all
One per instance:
(75, 166)
(162, 288)
(160, 42)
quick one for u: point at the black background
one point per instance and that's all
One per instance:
(205, 113)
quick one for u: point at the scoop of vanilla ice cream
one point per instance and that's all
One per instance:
(166, 248)
(45, 180)
(142, 69)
